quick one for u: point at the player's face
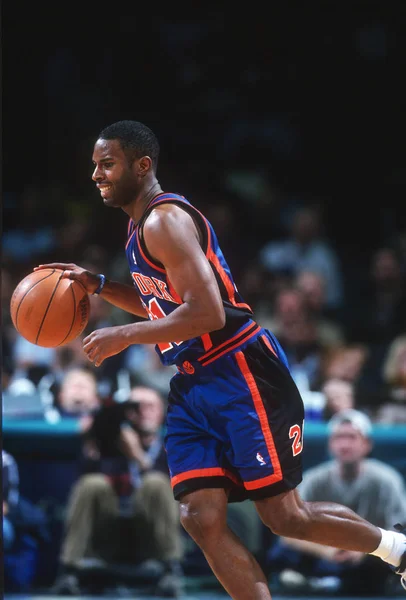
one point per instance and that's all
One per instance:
(114, 176)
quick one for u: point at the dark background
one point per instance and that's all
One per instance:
(317, 87)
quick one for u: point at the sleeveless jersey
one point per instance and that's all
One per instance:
(159, 298)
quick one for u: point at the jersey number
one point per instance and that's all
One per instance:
(296, 433)
(155, 311)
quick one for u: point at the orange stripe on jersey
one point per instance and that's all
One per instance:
(184, 201)
(268, 344)
(238, 335)
(229, 348)
(173, 292)
(151, 264)
(211, 472)
(266, 431)
(228, 284)
(206, 340)
(129, 239)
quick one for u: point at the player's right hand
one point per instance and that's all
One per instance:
(90, 281)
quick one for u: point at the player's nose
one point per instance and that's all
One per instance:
(96, 176)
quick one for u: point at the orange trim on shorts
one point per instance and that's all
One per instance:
(266, 431)
(210, 472)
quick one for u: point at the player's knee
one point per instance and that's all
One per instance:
(202, 522)
(292, 524)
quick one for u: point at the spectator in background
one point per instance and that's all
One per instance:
(393, 407)
(345, 362)
(25, 529)
(339, 395)
(127, 474)
(78, 394)
(305, 248)
(11, 481)
(375, 490)
(298, 334)
(313, 287)
(378, 311)
(144, 365)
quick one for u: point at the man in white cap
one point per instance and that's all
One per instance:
(370, 487)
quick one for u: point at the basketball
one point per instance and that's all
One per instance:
(48, 310)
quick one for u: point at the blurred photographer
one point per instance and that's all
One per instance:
(125, 475)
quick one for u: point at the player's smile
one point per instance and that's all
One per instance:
(104, 189)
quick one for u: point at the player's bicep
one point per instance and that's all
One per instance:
(173, 240)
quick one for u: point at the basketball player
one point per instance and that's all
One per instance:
(235, 417)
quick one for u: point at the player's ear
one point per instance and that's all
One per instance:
(144, 166)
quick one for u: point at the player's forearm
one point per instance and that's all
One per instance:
(123, 296)
(182, 324)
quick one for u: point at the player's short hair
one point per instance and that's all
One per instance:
(136, 139)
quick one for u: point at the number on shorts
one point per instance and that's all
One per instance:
(296, 432)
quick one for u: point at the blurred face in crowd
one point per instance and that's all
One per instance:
(289, 306)
(348, 445)
(339, 395)
(346, 363)
(78, 393)
(312, 286)
(306, 225)
(386, 267)
(149, 414)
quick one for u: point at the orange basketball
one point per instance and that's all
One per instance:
(48, 310)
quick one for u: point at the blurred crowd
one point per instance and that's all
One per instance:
(343, 329)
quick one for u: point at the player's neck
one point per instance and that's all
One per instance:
(144, 199)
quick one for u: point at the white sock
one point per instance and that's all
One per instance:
(391, 548)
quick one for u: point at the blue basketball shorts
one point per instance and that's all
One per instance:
(237, 424)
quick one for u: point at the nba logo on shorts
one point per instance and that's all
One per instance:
(260, 459)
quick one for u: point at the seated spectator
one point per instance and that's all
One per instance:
(339, 395)
(305, 248)
(313, 286)
(126, 474)
(379, 320)
(393, 408)
(373, 489)
(145, 366)
(25, 530)
(345, 362)
(78, 394)
(298, 334)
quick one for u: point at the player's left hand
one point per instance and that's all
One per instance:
(103, 343)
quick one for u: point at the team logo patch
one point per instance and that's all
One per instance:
(260, 459)
(188, 368)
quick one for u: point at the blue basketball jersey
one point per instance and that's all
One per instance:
(159, 298)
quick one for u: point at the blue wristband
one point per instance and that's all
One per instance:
(101, 285)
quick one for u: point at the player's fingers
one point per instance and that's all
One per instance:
(61, 266)
(87, 342)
